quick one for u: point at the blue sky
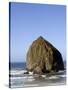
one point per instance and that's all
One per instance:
(29, 21)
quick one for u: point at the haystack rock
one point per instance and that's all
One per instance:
(43, 57)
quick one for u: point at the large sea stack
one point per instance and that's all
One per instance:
(43, 57)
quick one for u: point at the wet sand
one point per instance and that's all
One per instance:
(20, 80)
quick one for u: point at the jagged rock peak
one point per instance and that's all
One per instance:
(40, 38)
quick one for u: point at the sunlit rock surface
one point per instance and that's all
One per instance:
(43, 57)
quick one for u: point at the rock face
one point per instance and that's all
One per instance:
(43, 57)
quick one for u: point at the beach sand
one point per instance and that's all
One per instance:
(20, 80)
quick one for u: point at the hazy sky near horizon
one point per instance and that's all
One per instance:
(29, 21)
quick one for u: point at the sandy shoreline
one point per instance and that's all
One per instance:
(19, 79)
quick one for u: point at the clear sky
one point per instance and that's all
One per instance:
(29, 21)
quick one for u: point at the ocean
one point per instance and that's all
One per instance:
(18, 65)
(17, 78)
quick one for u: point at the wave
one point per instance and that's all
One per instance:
(20, 74)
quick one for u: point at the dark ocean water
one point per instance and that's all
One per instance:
(17, 65)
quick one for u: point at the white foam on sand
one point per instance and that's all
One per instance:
(43, 76)
(16, 72)
(19, 79)
(30, 73)
(53, 77)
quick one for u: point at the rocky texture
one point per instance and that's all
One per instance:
(43, 57)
